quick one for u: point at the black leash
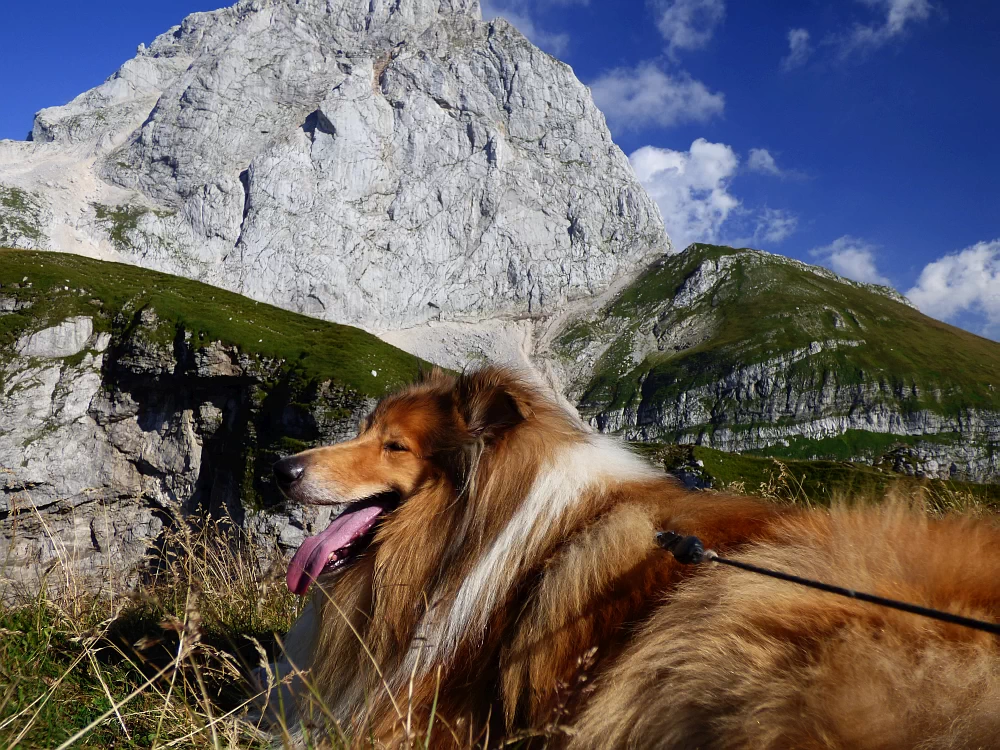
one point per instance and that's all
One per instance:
(689, 550)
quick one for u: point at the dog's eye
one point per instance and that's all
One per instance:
(395, 447)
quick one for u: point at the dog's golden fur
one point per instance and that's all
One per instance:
(518, 587)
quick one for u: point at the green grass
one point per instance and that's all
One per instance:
(34, 655)
(184, 640)
(852, 444)
(114, 295)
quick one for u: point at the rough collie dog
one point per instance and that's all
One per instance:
(495, 573)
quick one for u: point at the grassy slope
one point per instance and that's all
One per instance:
(818, 482)
(66, 285)
(766, 309)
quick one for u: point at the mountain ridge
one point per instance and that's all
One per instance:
(743, 350)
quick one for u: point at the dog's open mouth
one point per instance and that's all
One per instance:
(347, 536)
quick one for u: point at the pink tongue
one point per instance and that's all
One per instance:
(316, 551)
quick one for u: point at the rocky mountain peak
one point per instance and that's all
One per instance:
(382, 163)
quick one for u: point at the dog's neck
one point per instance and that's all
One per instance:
(447, 566)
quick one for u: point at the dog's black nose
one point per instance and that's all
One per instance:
(288, 470)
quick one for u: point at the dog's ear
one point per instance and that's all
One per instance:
(491, 402)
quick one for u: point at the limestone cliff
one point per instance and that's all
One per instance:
(128, 397)
(378, 163)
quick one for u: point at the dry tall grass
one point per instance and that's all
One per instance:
(164, 665)
(187, 657)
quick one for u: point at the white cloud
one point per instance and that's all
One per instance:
(688, 24)
(899, 15)
(853, 258)
(646, 95)
(518, 13)
(963, 282)
(901, 12)
(799, 49)
(774, 225)
(759, 228)
(690, 187)
(760, 160)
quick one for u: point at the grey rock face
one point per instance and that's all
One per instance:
(379, 163)
(63, 340)
(103, 442)
(778, 411)
(22, 216)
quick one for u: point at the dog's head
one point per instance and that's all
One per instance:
(427, 436)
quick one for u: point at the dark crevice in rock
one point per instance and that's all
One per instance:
(245, 182)
(317, 122)
(94, 540)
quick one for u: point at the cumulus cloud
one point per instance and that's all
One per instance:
(691, 188)
(519, 14)
(688, 24)
(962, 283)
(646, 95)
(799, 49)
(853, 258)
(895, 17)
(760, 160)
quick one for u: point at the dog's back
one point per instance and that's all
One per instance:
(736, 660)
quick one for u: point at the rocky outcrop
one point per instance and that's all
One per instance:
(943, 461)
(63, 340)
(106, 439)
(963, 446)
(380, 163)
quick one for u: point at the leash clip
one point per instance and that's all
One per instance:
(687, 550)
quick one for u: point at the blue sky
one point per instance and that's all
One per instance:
(860, 134)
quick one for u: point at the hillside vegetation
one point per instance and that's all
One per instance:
(749, 351)
(809, 481)
(56, 286)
